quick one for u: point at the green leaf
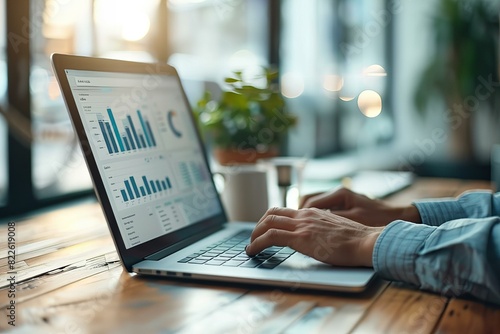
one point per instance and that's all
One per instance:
(243, 110)
(234, 100)
(231, 80)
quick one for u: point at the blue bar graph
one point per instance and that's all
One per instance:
(134, 186)
(141, 137)
(153, 186)
(124, 195)
(115, 129)
(129, 190)
(134, 132)
(146, 184)
(144, 128)
(150, 133)
(149, 187)
(127, 146)
(105, 135)
(111, 137)
(130, 136)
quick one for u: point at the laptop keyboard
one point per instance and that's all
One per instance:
(231, 252)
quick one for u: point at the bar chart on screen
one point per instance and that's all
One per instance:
(140, 181)
(132, 138)
(144, 187)
(115, 133)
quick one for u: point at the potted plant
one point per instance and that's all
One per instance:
(248, 122)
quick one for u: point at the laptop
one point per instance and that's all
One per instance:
(153, 181)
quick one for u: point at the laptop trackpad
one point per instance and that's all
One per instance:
(301, 261)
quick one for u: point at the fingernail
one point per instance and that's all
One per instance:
(246, 251)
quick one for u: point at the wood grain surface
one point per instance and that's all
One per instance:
(69, 280)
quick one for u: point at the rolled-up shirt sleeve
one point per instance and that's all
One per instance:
(474, 204)
(459, 257)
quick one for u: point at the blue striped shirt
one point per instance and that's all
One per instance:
(455, 251)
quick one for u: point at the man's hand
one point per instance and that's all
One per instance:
(360, 208)
(317, 233)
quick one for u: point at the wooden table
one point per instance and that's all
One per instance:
(70, 281)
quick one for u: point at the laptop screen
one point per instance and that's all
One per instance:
(146, 150)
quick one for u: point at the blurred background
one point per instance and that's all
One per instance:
(396, 85)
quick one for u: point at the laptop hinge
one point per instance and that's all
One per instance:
(181, 244)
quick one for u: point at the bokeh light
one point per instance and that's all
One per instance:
(346, 98)
(128, 16)
(292, 85)
(135, 25)
(370, 103)
(374, 71)
(333, 83)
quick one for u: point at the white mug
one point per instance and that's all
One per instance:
(244, 191)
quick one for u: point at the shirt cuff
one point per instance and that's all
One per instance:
(437, 212)
(397, 248)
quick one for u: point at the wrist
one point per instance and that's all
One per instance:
(368, 245)
(410, 214)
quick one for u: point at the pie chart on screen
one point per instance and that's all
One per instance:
(171, 118)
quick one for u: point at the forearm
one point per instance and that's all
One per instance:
(460, 257)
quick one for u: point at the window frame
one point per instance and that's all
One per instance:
(20, 195)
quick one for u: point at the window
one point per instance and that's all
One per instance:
(366, 117)
(58, 165)
(3, 93)
(208, 39)
(103, 28)
(127, 29)
(334, 72)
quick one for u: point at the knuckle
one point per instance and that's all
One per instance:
(272, 233)
(310, 212)
(270, 219)
(304, 234)
(307, 211)
(302, 223)
(273, 210)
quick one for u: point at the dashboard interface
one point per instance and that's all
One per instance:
(146, 150)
